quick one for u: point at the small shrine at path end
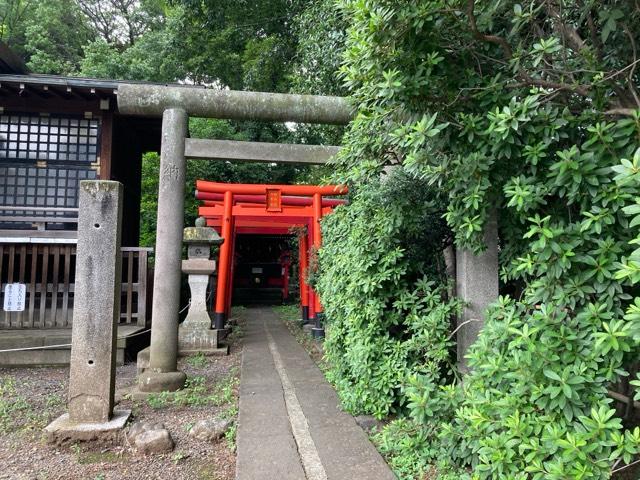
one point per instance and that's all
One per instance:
(233, 208)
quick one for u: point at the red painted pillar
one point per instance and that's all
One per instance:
(310, 293)
(303, 251)
(225, 262)
(232, 268)
(318, 330)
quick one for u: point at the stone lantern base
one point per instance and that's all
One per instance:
(195, 334)
(193, 339)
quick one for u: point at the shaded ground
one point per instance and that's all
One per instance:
(290, 315)
(31, 397)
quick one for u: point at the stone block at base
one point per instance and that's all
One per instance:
(142, 361)
(155, 382)
(221, 350)
(63, 431)
(138, 395)
(195, 338)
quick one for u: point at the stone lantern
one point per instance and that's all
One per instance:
(195, 333)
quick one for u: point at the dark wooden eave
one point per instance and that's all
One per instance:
(18, 89)
(36, 92)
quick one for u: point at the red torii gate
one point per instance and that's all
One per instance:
(258, 209)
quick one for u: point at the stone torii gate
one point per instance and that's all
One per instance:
(175, 104)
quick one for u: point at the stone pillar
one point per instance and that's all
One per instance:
(162, 374)
(96, 309)
(477, 285)
(195, 333)
(96, 314)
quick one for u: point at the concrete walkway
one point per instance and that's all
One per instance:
(290, 425)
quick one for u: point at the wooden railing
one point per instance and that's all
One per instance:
(48, 272)
(135, 285)
(64, 217)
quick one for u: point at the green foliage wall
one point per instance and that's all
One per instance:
(55, 41)
(380, 267)
(530, 108)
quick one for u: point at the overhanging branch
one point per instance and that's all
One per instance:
(506, 48)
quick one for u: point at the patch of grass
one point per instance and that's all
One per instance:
(89, 458)
(236, 334)
(178, 457)
(196, 393)
(38, 417)
(198, 360)
(227, 388)
(18, 414)
(75, 449)
(53, 401)
(207, 472)
(158, 400)
(290, 315)
(12, 406)
(230, 436)
(237, 331)
(229, 413)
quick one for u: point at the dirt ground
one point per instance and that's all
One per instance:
(30, 398)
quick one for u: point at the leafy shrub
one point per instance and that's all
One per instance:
(529, 109)
(386, 318)
(407, 447)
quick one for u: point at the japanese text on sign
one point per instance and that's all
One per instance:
(14, 297)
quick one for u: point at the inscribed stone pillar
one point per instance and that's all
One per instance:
(96, 308)
(162, 373)
(477, 285)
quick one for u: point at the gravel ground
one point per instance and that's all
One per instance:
(30, 398)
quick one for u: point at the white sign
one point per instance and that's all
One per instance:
(14, 297)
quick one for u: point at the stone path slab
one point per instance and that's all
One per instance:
(290, 425)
